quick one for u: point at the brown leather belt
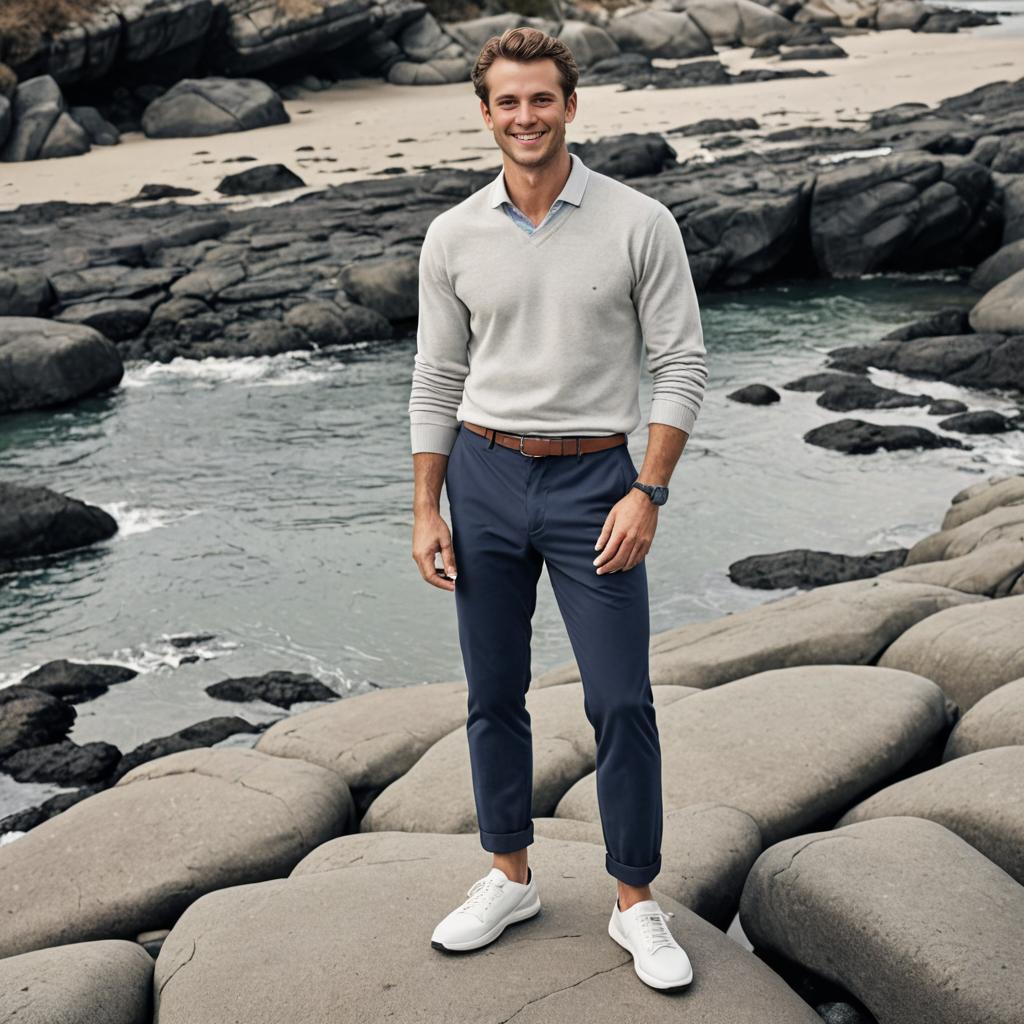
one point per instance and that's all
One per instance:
(535, 445)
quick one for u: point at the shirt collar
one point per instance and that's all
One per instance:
(572, 192)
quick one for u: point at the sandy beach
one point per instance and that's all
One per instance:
(358, 128)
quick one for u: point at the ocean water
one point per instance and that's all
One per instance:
(266, 504)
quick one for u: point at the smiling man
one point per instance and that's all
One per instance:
(541, 295)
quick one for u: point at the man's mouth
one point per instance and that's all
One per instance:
(527, 137)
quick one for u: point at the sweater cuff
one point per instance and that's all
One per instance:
(673, 413)
(432, 437)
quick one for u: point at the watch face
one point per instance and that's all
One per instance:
(660, 495)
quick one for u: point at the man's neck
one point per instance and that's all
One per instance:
(533, 191)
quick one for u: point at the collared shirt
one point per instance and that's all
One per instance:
(572, 192)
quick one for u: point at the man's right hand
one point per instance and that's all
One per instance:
(430, 535)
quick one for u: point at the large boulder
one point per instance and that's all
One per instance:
(790, 747)
(342, 902)
(436, 794)
(992, 570)
(902, 913)
(48, 363)
(30, 717)
(907, 210)
(969, 651)
(372, 739)
(133, 857)
(978, 796)
(1000, 524)
(1001, 308)
(41, 126)
(38, 521)
(104, 982)
(24, 291)
(387, 285)
(976, 501)
(658, 33)
(739, 22)
(997, 720)
(211, 106)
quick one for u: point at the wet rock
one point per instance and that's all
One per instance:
(802, 567)
(103, 982)
(858, 437)
(266, 178)
(38, 521)
(822, 380)
(979, 796)
(282, 689)
(197, 821)
(64, 763)
(49, 363)
(996, 720)
(787, 779)
(755, 394)
(942, 323)
(116, 319)
(75, 682)
(196, 107)
(980, 421)
(30, 718)
(558, 965)
(969, 651)
(857, 393)
(946, 407)
(858, 904)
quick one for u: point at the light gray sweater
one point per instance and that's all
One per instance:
(543, 333)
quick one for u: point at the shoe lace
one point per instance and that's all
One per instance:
(655, 930)
(481, 894)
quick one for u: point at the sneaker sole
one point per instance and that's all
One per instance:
(521, 913)
(642, 974)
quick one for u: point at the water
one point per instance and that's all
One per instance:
(268, 502)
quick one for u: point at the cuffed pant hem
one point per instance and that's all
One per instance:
(506, 842)
(629, 874)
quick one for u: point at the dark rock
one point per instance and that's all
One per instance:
(856, 437)
(64, 762)
(327, 323)
(24, 291)
(31, 718)
(282, 689)
(211, 106)
(38, 103)
(75, 682)
(804, 568)
(202, 734)
(755, 394)
(66, 138)
(997, 268)
(22, 821)
(842, 396)
(387, 285)
(822, 380)
(266, 178)
(98, 129)
(819, 51)
(116, 319)
(715, 125)
(981, 421)
(627, 156)
(946, 407)
(48, 363)
(944, 322)
(38, 521)
(157, 191)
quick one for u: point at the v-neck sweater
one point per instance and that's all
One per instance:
(545, 332)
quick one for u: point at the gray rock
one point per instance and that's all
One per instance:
(739, 22)
(978, 421)
(66, 138)
(30, 718)
(38, 103)
(5, 119)
(372, 739)
(103, 982)
(563, 751)
(858, 393)
(210, 106)
(47, 363)
(658, 33)
(895, 14)
(440, 71)
(168, 832)
(265, 178)
(64, 763)
(951, 320)
(1001, 309)
(858, 905)
(999, 523)
(971, 503)
(978, 796)
(99, 130)
(38, 521)
(969, 651)
(813, 739)
(116, 319)
(589, 43)
(992, 570)
(387, 285)
(707, 851)
(755, 394)
(207, 281)
(328, 323)
(24, 291)
(997, 720)
(1001, 265)
(858, 437)
(559, 965)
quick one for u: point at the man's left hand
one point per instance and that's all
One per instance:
(628, 532)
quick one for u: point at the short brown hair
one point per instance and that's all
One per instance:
(525, 44)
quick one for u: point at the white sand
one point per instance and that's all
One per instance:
(367, 125)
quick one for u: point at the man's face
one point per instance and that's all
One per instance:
(526, 98)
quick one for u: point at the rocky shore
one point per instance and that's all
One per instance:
(872, 728)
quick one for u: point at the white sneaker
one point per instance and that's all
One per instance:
(657, 958)
(494, 902)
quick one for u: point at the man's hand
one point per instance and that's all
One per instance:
(628, 532)
(430, 534)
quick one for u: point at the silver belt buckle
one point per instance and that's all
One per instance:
(522, 438)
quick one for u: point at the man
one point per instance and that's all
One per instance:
(538, 295)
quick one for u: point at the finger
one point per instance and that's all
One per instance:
(606, 530)
(448, 558)
(610, 550)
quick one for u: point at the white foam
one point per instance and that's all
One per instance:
(854, 154)
(133, 520)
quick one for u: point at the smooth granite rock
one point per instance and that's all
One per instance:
(348, 938)
(1003, 522)
(372, 739)
(979, 796)
(997, 720)
(790, 747)
(992, 570)
(902, 913)
(134, 856)
(436, 793)
(1007, 491)
(969, 651)
(104, 982)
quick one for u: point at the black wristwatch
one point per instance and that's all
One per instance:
(657, 494)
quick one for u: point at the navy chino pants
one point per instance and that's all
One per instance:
(511, 513)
